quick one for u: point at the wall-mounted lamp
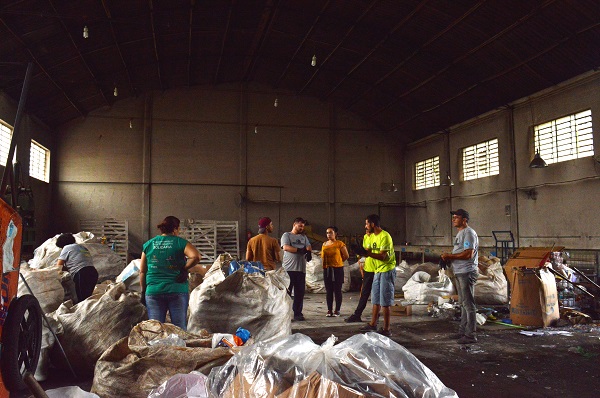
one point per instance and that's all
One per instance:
(256, 129)
(276, 103)
(130, 123)
(86, 32)
(393, 188)
(116, 91)
(447, 182)
(314, 60)
(537, 162)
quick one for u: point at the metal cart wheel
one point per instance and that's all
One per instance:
(21, 341)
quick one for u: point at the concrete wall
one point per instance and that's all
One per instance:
(563, 209)
(194, 153)
(28, 130)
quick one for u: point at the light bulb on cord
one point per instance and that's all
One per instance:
(256, 129)
(116, 92)
(130, 123)
(314, 60)
(276, 103)
(86, 32)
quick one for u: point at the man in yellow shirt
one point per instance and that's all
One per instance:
(381, 251)
(368, 272)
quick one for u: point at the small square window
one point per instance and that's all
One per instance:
(39, 162)
(566, 138)
(427, 173)
(480, 160)
(5, 136)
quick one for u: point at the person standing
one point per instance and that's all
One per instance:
(77, 260)
(367, 271)
(262, 247)
(381, 250)
(464, 258)
(166, 261)
(296, 252)
(333, 253)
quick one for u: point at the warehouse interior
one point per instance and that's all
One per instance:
(234, 111)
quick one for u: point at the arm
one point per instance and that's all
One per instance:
(143, 271)
(344, 253)
(193, 256)
(62, 265)
(249, 254)
(464, 255)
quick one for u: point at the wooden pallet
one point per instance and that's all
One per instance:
(115, 231)
(212, 238)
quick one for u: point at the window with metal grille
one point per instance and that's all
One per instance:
(427, 173)
(39, 162)
(480, 160)
(5, 136)
(566, 138)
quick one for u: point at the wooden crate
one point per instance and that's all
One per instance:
(212, 238)
(115, 231)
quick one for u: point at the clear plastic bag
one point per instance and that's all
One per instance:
(364, 365)
(172, 340)
(192, 385)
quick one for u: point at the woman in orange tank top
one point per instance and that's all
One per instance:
(333, 253)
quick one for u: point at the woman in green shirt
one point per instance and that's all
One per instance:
(166, 261)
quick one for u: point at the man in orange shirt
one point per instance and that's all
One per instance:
(262, 247)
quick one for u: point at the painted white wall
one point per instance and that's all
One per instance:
(565, 211)
(205, 161)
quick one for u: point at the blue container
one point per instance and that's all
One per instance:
(249, 267)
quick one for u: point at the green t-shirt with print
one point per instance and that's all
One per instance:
(369, 266)
(165, 259)
(379, 243)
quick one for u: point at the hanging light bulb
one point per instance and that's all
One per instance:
(116, 92)
(393, 187)
(256, 129)
(314, 60)
(130, 123)
(86, 32)
(276, 103)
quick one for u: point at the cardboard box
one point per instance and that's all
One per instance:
(532, 300)
(401, 310)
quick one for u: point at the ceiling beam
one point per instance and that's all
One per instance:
(223, 41)
(160, 81)
(306, 36)
(189, 61)
(33, 57)
(472, 51)
(118, 47)
(357, 98)
(377, 46)
(523, 63)
(348, 32)
(96, 83)
(263, 30)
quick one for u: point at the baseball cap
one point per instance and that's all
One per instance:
(461, 212)
(264, 222)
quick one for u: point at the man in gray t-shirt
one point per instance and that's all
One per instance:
(77, 260)
(464, 259)
(296, 252)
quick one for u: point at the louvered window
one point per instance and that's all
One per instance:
(39, 162)
(567, 138)
(480, 160)
(5, 136)
(427, 173)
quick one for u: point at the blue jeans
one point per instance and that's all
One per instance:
(465, 286)
(177, 304)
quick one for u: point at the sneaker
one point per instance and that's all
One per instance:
(467, 340)
(384, 332)
(353, 318)
(368, 328)
(329, 314)
(299, 318)
(336, 313)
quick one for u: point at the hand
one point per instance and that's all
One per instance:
(308, 255)
(143, 299)
(443, 264)
(359, 250)
(182, 277)
(301, 250)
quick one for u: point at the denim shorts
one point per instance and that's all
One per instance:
(382, 292)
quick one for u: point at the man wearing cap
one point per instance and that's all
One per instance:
(296, 252)
(464, 259)
(262, 247)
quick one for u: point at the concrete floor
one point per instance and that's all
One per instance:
(504, 363)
